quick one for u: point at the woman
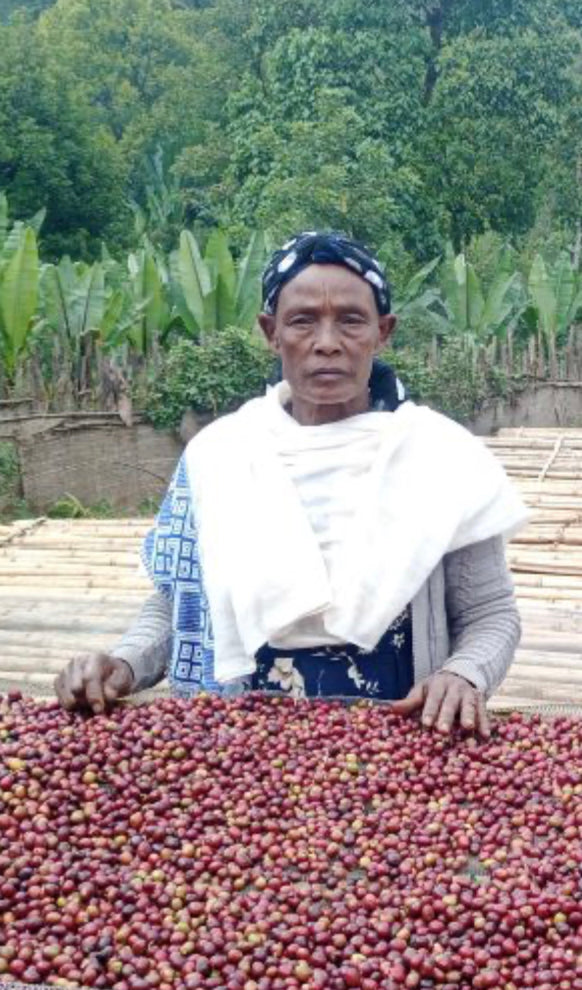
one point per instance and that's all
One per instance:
(331, 537)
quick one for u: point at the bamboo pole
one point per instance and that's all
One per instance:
(68, 637)
(75, 599)
(108, 582)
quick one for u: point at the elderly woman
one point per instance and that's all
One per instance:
(330, 538)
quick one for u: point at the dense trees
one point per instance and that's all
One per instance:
(411, 122)
(51, 153)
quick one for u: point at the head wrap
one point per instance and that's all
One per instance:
(313, 248)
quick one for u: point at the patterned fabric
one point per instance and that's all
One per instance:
(170, 555)
(341, 672)
(331, 248)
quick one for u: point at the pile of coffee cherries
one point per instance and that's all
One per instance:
(265, 844)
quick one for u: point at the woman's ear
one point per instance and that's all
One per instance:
(387, 325)
(267, 323)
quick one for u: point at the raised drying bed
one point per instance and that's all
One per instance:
(266, 844)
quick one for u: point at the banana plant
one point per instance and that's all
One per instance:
(11, 233)
(150, 315)
(415, 293)
(74, 306)
(19, 281)
(247, 297)
(555, 301)
(209, 292)
(467, 311)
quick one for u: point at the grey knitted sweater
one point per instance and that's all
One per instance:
(464, 619)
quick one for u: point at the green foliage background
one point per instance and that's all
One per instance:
(425, 127)
(413, 121)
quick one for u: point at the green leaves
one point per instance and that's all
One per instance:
(469, 310)
(18, 299)
(3, 218)
(248, 286)
(556, 294)
(150, 311)
(194, 275)
(216, 376)
(210, 295)
(74, 299)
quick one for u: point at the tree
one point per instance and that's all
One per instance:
(498, 112)
(51, 153)
(323, 135)
(32, 7)
(151, 71)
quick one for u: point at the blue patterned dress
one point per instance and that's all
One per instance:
(341, 671)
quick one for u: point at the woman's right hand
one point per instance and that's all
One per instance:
(93, 680)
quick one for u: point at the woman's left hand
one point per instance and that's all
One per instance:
(444, 698)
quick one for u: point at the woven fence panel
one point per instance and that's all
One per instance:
(124, 466)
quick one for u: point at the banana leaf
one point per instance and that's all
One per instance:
(576, 304)
(564, 284)
(218, 253)
(181, 316)
(454, 286)
(210, 321)
(225, 311)
(149, 296)
(89, 301)
(543, 297)
(501, 299)
(247, 298)
(18, 298)
(194, 277)
(3, 218)
(114, 310)
(475, 300)
(55, 303)
(37, 220)
(12, 241)
(412, 288)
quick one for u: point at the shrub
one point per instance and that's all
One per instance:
(457, 384)
(9, 477)
(215, 376)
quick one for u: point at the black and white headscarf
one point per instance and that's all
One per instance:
(313, 247)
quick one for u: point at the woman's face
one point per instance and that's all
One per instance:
(327, 330)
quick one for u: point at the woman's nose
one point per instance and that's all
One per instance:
(326, 339)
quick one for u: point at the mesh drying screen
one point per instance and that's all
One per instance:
(499, 706)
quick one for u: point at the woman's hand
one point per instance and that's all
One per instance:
(93, 680)
(444, 698)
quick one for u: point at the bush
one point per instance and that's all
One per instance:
(9, 478)
(458, 385)
(214, 377)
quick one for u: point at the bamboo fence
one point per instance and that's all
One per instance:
(69, 586)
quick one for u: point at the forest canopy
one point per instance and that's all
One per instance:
(414, 122)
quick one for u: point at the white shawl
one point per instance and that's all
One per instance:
(433, 488)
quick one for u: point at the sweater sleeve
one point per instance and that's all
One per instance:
(483, 618)
(147, 644)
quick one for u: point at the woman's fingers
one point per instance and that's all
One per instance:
(439, 707)
(120, 680)
(446, 698)
(483, 723)
(412, 702)
(469, 709)
(473, 714)
(63, 688)
(95, 674)
(93, 680)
